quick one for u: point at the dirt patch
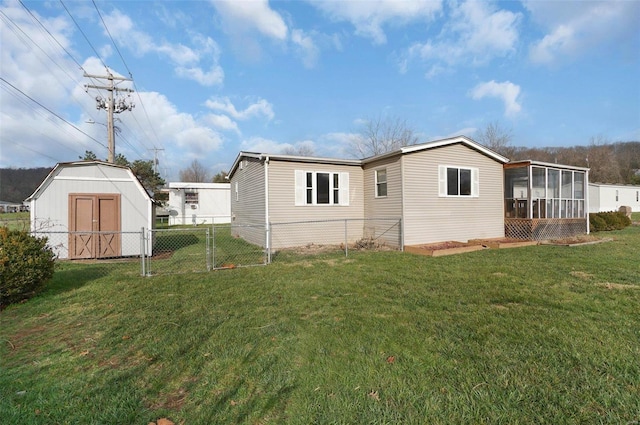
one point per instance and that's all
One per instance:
(618, 286)
(581, 275)
(577, 240)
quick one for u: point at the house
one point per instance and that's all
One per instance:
(91, 209)
(545, 201)
(450, 189)
(199, 203)
(610, 197)
(10, 207)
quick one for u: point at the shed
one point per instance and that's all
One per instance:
(199, 203)
(91, 209)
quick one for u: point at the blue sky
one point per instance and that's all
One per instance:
(216, 77)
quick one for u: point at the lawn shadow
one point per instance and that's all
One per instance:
(66, 278)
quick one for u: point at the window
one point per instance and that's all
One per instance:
(191, 198)
(381, 183)
(321, 188)
(454, 181)
(236, 190)
(617, 197)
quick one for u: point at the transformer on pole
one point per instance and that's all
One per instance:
(110, 105)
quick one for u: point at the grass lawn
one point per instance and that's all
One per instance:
(533, 335)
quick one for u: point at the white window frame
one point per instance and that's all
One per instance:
(236, 191)
(191, 197)
(301, 188)
(443, 181)
(379, 184)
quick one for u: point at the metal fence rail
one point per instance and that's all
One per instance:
(341, 235)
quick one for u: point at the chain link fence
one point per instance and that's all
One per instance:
(340, 235)
(113, 250)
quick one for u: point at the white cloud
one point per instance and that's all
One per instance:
(223, 123)
(187, 61)
(307, 49)
(506, 91)
(260, 108)
(368, 17)
(251, 15)
(576, 28)
(260, 144)
(476, 33)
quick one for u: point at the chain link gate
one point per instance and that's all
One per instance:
(201, 249)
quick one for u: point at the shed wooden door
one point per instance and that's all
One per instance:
(99, 216)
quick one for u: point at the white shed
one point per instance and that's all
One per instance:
(610, 197)
(199, 203)
(91, 209)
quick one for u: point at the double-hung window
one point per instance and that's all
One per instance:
(381, 183)
(458, 181)
(191, 198)
(321, 188)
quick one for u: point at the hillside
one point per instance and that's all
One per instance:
(16, 184)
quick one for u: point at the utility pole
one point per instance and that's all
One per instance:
(155, 158)
(110, 105)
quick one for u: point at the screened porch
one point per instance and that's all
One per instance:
(545, 201)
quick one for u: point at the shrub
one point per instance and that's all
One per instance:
(26, 264)
(611, 220)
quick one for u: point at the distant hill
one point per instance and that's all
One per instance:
(16, 184)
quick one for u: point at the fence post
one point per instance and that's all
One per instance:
(267, 241)
(401, 234)
(142, 250)
(213, 246)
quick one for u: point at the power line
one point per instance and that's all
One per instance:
(110, 37)
(51, 112)
(83, 34)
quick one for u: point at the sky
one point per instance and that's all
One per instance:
(213, 78)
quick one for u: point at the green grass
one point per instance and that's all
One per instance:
(15, 221)
(543, 334)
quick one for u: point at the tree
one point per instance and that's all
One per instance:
(195, 173)
(497, 138)
(602, 161)
(300, 149)
(89, 156)
(221, 177)
(381, 135)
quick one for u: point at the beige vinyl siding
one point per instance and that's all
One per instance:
(248, 210)
(429, 217)
(389, 206)
(282, 208)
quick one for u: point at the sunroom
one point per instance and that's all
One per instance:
(545, 201)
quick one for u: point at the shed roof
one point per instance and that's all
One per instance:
(62, 165)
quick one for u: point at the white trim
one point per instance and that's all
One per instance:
(90, 179)
(376, 182)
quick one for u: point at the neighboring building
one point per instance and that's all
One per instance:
(545, 201)
(449, 189)
(11, 207)
(610, 197)
(91, 209)
(199, 203)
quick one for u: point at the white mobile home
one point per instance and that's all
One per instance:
(199, 203)
(610, 197)
(91, 209)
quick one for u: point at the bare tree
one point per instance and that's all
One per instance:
(602, 162)
(381, 135)
(195, 173)
(300, 149)
(497, 138)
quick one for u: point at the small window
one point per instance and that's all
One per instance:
(381, 183)
(191, 198)
(236, 190)
(456, 181)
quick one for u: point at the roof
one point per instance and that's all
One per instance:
(198, 185)
(291, 158)
(359, 162)
(61, 165)
(546, 164)
(623, 185)
(440, 143)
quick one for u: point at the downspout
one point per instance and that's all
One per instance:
(586, 197)
(266, 208)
